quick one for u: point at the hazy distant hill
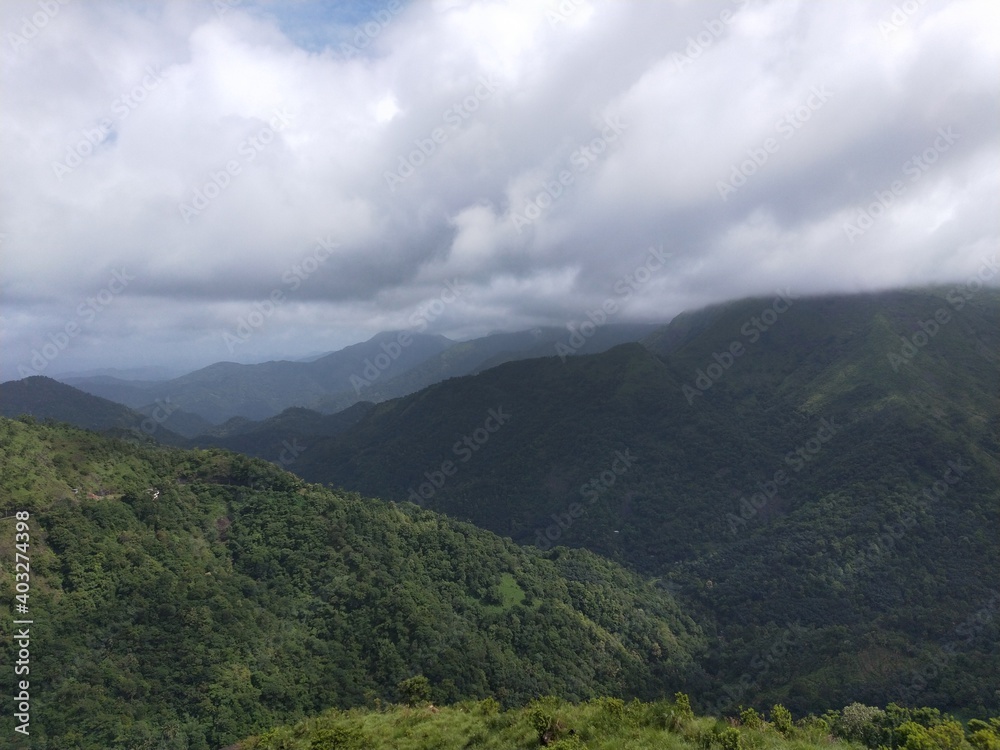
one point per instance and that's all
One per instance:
(389, 365)
(282, 438)
(475, 355)
(771, 459)
(226, 389)
(45, 398)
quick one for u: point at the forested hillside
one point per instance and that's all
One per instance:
(183, 599)
(815, 476)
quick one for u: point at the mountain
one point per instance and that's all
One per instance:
(150, 372)
(389, 365)
(475, 355)
(283, 438)
(815, 479)
(819, 478)
(185, 599)
(45, 398)
(227, 389)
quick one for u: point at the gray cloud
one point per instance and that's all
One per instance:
(534, 151)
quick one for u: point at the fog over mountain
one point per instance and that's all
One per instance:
(187, 183)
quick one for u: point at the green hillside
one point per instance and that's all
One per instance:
(810, 490)
(184, 599)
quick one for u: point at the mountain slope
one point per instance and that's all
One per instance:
(202, 596)
(389, 365)
(227, 389)
(475, 355)
(772, 459)
(45, 398)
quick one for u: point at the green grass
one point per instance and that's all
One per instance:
(601, 724)
(510, 592)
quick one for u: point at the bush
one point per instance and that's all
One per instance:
(781, 718)
(860, 723)
(338, 738)
(730, 739)
(751, 719)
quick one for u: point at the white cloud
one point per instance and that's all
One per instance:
(287, 118)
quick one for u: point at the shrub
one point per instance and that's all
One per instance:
(751, 719)
(860, 723)
(781, 717)
(729, 739)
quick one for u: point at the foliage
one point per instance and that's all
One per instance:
(211, 595)
(840, 580)
(781, 718)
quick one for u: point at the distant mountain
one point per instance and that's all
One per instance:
(829, 463)
(389, 365)
(44, 398)
(177, 420)
(226, 389)
(282, 438)
(475, 355)
(149, 372)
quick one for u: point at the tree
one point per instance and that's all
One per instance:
(416, 690)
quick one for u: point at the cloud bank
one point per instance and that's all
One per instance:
(174, 168)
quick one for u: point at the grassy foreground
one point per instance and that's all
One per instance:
(612, 724)
(601, 724)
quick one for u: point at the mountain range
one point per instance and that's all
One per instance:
(390, 364)
(815, 480)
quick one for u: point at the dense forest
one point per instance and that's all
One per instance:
(203, 595)
(817, 497)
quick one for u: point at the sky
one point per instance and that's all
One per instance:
(193, 182)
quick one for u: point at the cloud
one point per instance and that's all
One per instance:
(532, 150)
